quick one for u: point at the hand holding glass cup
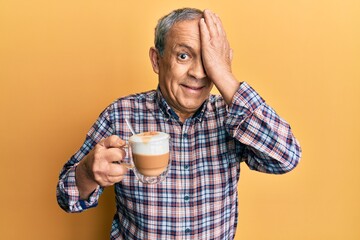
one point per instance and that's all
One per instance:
(149, 156)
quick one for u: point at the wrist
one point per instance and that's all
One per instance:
(84, 180)
(227, 85)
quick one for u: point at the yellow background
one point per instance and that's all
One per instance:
(62, 62)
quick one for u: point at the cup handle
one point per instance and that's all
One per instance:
(128, 164)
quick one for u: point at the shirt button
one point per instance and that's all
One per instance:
(186, 198)
(187, 231)
(185, 135)
(186, 167)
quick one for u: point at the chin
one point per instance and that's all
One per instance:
(192, 107)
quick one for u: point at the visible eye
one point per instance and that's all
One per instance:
(183, 56)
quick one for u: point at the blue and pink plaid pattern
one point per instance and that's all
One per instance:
(198, 199)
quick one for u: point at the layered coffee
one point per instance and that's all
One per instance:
(151, 165)
(150, 151)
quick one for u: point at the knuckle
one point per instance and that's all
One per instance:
(98, 179)
(123, 170)
(111, 141)
(120, 179)
(110, 138)
(113, 138)
(122, 154)
(99, 154)
(97, 172)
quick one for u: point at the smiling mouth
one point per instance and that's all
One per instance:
(192, 87)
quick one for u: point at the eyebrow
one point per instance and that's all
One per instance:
(183, 45)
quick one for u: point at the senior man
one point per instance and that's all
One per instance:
(210, 136)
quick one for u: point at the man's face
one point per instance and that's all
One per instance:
(182, 77)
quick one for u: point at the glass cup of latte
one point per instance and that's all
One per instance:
(150, 156)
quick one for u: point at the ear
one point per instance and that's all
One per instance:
(154, 58)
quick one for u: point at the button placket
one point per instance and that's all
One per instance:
(185, 173)
(185, 140)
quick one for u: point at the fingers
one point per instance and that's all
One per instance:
(231, 53)
(219, 25)
(114, 174)
(213, 23)
(212, 28)
(110, 149)
(104, 161)
(112, 142)
(204, 32)
(210, 24)
(113, 154)
(117, 170)
(112, 180)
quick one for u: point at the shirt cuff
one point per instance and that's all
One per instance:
(92, 201)
(71, 195)
(245, 101)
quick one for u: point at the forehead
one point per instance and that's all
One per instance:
(184, 33)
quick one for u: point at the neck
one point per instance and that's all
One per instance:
(183, 116)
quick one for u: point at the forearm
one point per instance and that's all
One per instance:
(75, 190)
(68, 194)
(271, 145)
(84, 182)
(227, 85)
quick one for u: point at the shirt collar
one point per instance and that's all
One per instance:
(170, 113)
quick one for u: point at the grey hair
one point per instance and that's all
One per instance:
(165, 24)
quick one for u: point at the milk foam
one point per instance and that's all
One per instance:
(150, 143)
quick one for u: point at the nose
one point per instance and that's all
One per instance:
(197, 70)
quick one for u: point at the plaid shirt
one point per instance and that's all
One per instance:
(198, 199)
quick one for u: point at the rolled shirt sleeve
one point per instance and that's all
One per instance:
(68, 194)
(271, 145)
